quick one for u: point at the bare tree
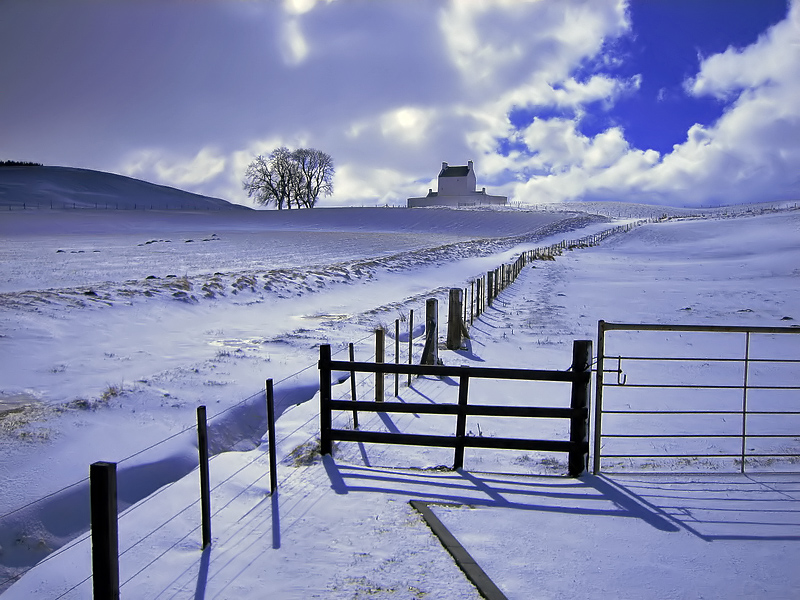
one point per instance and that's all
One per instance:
(317, 170)
(272, 179)
(288, 179)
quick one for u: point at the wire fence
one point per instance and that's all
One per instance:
(505, 276)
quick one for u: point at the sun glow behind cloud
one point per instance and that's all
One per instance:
(539, 94)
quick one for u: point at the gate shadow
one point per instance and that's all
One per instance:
(587, 495)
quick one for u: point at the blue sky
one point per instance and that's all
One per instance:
(677, 102)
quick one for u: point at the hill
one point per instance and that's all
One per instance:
(46, 187)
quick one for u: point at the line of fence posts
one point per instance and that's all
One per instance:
(461, 313)
(483, 290)
(104, 516)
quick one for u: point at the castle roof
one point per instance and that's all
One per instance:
(449, 171)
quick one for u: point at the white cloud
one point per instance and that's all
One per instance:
(294, 47)
(372, 187)
(751, 153)
(501, 42)
(407, 124)
(389, 89)
(298, 7)
(495, 47)
(173, 170)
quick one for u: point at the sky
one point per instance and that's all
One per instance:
(673, 102)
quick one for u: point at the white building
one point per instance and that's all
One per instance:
(457, 187)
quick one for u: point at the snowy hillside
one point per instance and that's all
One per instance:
(42, 187)
(108, 346)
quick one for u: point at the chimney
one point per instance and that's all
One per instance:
(444, 165)
(469, 164)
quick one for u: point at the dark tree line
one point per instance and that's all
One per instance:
(289, 179)
(18, 163)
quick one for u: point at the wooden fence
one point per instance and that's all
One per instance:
(577, 446)
(482, 291)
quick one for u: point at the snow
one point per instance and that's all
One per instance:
(46, 187)
(103, 375)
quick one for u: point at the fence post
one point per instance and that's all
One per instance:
(489, 287)
(410, 340)
(464, 309)
(205, 492)
(105, 538)
(325, 399)
(430, 354)
(273, 460)
(461, 418)
(471, 302)
(380, 351)
(579, 403)
(598, 397)
(744, 399)
(396, 356)
(454, 320)
(352, 355)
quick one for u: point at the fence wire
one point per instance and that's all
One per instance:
(478, 303)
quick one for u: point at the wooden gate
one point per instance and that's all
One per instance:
(579, 376)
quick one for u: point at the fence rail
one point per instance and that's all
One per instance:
(734, 425)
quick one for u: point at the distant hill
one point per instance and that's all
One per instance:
(32, 187)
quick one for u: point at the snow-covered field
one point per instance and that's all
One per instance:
(100, 362)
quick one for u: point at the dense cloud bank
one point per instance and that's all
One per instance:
(536, 93)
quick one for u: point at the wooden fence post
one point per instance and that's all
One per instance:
(471, 302)
(205, 492)
(461, 418)
(325, 399)
(454, 326)
(380, 355)
(105, 538)
(430, 354)
(410, 340)
(464, 309)
(396, 356)
(352, 355)
(579, 403)
(273, 459)
(489, 287)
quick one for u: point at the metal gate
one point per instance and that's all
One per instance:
(699, 398)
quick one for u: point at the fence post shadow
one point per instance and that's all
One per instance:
(337, 481)
(202, 575)
(276, 521)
